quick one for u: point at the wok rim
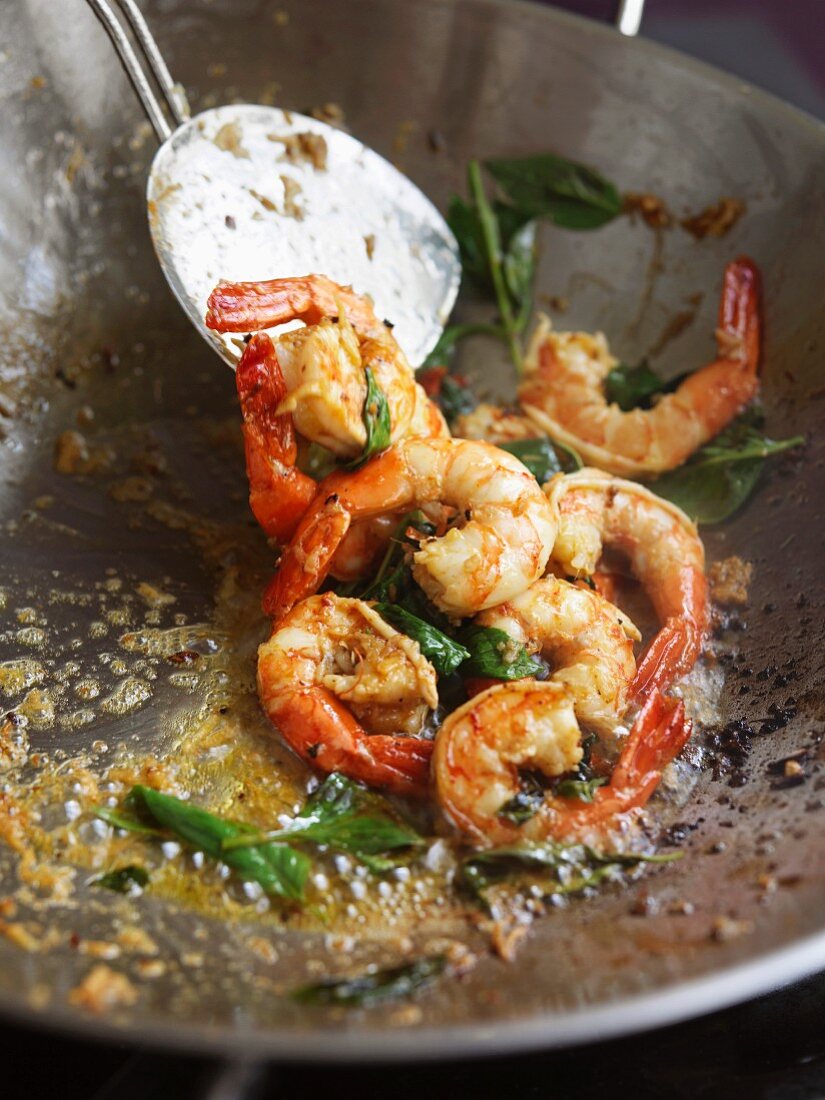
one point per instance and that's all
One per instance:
(717, 990)
(548, 1031)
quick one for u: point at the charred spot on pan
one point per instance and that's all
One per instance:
(778, 717)
(729, 747)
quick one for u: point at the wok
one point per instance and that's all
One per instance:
(87, 320)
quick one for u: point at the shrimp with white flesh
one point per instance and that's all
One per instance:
(313, 379)
(505, 526)
(665, 555)
(324, 363)
(494, 425)
(481, 748)
(563, 391)
(348, 693)
(587, 641)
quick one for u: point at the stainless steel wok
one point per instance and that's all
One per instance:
(87, 319)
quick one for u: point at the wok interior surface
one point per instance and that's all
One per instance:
(88, 321)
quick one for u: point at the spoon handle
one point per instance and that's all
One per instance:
(143, 64)
(629, 17)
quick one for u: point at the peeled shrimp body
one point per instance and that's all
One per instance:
(501, 547)
(482, 746)
(587, 640)
(665, 555)
(563, 393)
(333, 670)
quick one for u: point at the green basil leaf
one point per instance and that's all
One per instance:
(463, 220)
(582, 790)
(376, 416)
(119, 820)
(455, 400)
(344, 815)
(441, 651)
(567, 193)
(526, 804)
(519, 267)
(721, 476)
(280, 870)
(538, 455)
(572, 867)
(379, 985)
(494, 654)
(121, 879)
(632, 387)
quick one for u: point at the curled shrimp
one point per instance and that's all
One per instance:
(665, 554)
(498, 548)
(324, 363)
(564, 395)
(481, 747)
(587, 640)
(313, 380)
(334, 669)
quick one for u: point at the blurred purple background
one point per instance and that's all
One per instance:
(779, 45)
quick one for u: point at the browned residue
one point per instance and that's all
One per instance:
(715, 220)
(229, 139)
(103, 989)
(729, 580)
(303, 148)
(291, 191)
(505, 939)
(74, 455)
(650, 208)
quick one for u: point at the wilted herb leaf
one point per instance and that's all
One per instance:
(380, 985)
(493, 653)
(441, 651)
(280, 870)
(121, 879)
(377, 422)
(720, 477)
(344, 815)
(565, 192)
(538, 455)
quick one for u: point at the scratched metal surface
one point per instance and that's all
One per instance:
(78, 275)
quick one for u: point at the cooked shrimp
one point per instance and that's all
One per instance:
(482, 745)
(324, 363)
(563, 392)
(500, 546)
(279, 493)
(588, 640)
(665, 553)
(334, 670)
(494, 424)
(246, 307)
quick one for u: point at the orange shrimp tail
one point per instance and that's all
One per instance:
(307, 560)
(659, 734)
(247, 307)
(740, 309)
(723, 388)
(279, 493)
(677, 647)
(320, 729)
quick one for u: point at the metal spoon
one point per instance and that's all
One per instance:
(249, 192)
